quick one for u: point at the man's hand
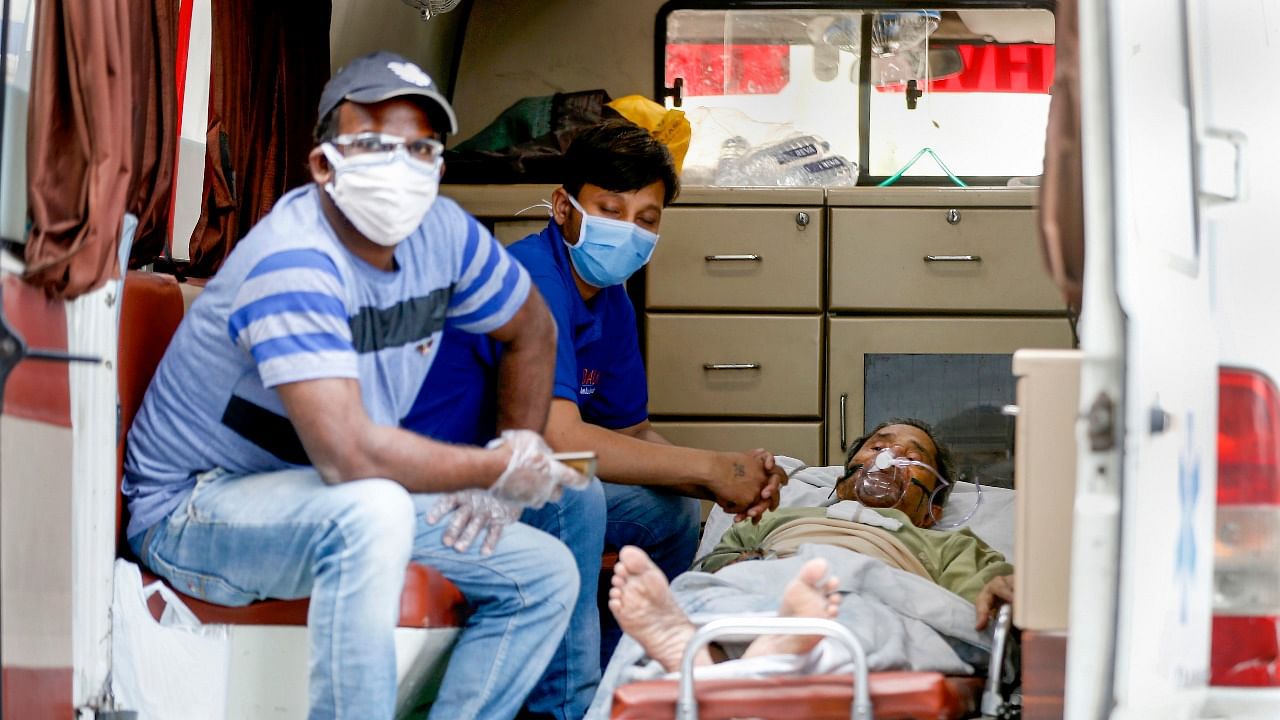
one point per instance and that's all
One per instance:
(473, 511)
(532, 477)
(742, 484)
(771, 493)
(997, 592)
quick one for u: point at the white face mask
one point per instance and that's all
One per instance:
(384, 195)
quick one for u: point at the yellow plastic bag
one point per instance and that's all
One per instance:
(669, 127)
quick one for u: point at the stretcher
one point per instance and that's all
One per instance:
(861, 695)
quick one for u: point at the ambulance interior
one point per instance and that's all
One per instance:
(902, 276)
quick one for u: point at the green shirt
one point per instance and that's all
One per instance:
(956, 559)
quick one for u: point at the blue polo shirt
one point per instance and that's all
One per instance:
(598, 363)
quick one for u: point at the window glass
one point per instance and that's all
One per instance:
(961, 396)
(783, 86)
(13, 125)
(754, 79)
(987, 118)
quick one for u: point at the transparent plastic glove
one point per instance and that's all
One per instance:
(473, 511)
(533, 477)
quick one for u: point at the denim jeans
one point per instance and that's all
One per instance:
(288, 535)
(605, 514)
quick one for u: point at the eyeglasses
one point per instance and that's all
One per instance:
(427, 150)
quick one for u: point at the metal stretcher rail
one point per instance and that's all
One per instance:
(687, 704)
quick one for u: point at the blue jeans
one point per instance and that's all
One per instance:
(605, 514)
(288, 535)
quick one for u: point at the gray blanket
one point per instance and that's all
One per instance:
(902, 620)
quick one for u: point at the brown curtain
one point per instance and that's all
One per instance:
(1062, 190)
(100, 137)
(270, 62)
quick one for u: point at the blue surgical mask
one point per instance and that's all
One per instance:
(609, 251)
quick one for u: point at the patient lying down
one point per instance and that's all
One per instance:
(898, 473)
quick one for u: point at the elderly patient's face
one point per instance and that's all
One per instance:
(905, 441)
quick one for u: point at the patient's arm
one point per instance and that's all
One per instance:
(997, 592)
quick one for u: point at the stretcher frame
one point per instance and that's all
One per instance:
(888, 695)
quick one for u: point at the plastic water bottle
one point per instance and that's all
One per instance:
(767, 164)
(830, 171)
(728, 170)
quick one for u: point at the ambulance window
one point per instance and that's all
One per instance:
(19, 35)
(755, 77)
(971, 85)
(984, 103)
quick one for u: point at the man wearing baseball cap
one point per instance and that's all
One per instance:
(285, 475)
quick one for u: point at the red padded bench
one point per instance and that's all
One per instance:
(151, 308)
(894, 696)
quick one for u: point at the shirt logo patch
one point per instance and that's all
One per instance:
(589, 380)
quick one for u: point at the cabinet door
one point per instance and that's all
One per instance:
(727, 365)
(941, 259)
(954, 373)
(740, 258)
(800, 440)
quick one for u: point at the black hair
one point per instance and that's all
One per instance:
(941, 456)
(327, 127)
(619, 156)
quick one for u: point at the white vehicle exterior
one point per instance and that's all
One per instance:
(1177, 154)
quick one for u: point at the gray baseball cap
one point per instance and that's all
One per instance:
(381, 76)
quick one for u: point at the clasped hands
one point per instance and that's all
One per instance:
(531, 479)
(747, 484)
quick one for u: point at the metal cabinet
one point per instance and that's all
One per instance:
(738, 258)
(786, 317)
(938, 260)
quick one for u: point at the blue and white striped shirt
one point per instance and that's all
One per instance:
(292, 304)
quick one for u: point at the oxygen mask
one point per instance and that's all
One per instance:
(885, 481)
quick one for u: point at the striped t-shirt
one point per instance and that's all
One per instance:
(290, 303)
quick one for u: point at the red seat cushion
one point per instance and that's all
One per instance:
(894, 696)
(151, 309)
(428, 601)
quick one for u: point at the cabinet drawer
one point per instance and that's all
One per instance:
(954, 373)
(738, 258)
(800, 440)
(751, 365)
(915, 259)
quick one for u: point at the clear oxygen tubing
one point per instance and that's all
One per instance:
(544, 204)
(921, 153)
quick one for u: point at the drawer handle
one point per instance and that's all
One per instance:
(734, 258)
(844, 444)
(953, 258)
(731, 366)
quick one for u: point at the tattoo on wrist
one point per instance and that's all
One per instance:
(739, 470)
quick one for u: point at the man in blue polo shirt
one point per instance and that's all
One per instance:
(604, 224)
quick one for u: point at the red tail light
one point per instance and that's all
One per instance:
(1246, 623)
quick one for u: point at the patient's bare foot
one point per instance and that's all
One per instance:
(646, 610)
(807, 595)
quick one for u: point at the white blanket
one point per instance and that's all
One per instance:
(903, 621)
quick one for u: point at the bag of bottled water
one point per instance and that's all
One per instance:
(767, 164)
(830, 171)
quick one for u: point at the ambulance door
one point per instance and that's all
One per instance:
(1143, 533)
